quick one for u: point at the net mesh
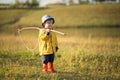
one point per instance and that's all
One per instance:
(29, 38)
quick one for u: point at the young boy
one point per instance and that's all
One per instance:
(48, 44)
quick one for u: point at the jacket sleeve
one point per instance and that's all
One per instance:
(43, 35)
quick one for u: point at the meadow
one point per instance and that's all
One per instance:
(73, 16)
(84, 54)
(90, 50)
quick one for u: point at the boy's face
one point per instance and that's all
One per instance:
(48, 24)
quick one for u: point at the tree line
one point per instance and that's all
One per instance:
(27, 3)
(35, 3)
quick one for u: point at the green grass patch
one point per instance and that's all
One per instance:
(78, 16)
(82, 65)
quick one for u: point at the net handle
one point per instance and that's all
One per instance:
(36, 28)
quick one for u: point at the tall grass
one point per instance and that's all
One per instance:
(91, 54)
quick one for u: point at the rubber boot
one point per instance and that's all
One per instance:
(44, 68)
(50, 67)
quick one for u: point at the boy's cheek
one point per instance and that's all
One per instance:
(46, 26)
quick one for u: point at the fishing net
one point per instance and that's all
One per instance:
(29, 38)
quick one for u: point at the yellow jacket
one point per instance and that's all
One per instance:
(47, 43)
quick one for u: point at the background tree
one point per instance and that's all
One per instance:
(27, 3)
(100, 0)
(71, 2)
(34, 3)
(17, 2)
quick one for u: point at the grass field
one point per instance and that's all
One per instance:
(73, 16)
(78, 16)
(85, 54)
(88, 53)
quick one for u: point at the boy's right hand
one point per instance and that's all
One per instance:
(47, 31)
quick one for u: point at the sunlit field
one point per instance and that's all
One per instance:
(84, 54)
(90, 50)
(101, 15)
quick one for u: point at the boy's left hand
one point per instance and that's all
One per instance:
(57, 48)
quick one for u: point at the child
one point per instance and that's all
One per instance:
(48, 44)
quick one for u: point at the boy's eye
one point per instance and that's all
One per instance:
(49, 22)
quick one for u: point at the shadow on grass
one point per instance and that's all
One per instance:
(74, 75)
(58, 76)
(81, 76)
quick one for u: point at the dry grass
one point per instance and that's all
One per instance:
(84, 56)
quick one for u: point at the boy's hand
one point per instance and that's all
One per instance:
(48, 30)
(57, 48)
(19, 27)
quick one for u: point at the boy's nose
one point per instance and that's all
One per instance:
(51, 24)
